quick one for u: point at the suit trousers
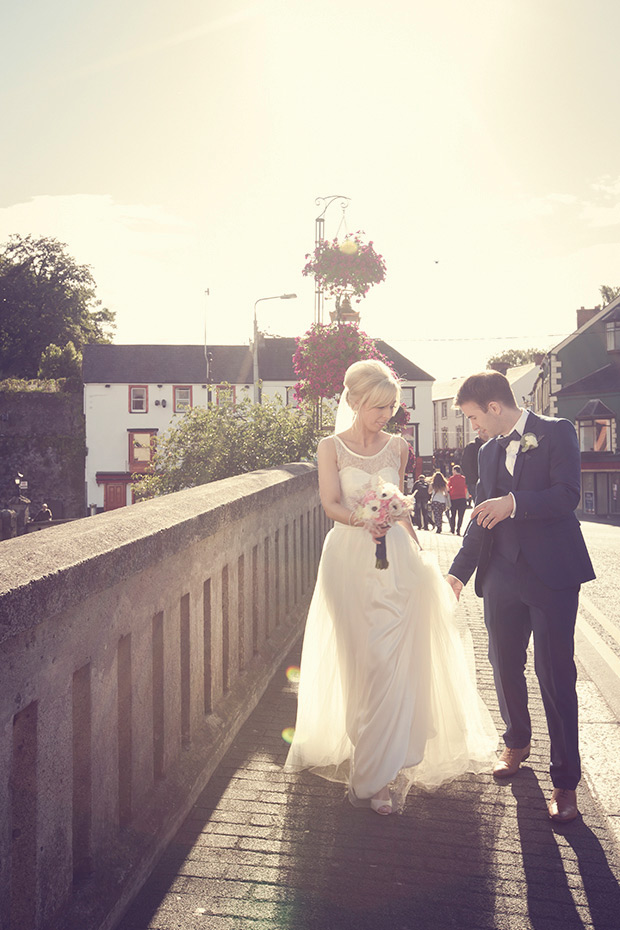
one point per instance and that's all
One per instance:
(458, 506)
(516, 605)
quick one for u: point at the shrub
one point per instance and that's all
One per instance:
(223, 440)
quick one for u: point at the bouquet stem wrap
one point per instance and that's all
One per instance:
(381, 554)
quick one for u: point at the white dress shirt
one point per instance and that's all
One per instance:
(512, 450)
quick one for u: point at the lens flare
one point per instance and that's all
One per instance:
(292, 673)
(288, 734)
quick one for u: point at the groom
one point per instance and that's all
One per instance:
(525, 544)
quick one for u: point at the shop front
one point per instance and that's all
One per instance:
(600, 488)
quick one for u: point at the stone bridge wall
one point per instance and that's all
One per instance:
(133, 645)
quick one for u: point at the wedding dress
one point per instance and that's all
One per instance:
(387, 691)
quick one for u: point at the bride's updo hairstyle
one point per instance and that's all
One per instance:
(370, 383)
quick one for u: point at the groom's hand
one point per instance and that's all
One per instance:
(456, 584)
(489, 513)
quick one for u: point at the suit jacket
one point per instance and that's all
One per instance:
(546, 487)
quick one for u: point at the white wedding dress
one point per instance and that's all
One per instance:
(387, 691)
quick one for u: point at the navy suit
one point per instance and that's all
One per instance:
(528, 570)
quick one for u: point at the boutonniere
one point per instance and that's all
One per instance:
(528, 441)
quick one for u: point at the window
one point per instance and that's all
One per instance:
(141, 449)
(444, 437)
(225, 394)
(138, 398)
(613, 336)
(290, 397)
(595, 435)
(459, 437)
(444, 409)
(407, 396)
(182, 398)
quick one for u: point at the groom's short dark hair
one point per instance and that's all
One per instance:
(484, 387)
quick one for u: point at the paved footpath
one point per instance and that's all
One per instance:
(263, 850)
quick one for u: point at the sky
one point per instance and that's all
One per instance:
(181, 148)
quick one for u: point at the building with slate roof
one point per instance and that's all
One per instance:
(580, 380)
(451, 429)
(133, 393)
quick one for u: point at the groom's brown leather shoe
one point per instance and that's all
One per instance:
(509, 761)
(563, 805)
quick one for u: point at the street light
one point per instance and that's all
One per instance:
(319, 235)
(255, 344)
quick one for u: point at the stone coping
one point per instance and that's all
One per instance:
(44, 574)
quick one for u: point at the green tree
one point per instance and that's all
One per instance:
(608, 293)
(61, 363)
(227, 439)
(510, 358)
(45, 298)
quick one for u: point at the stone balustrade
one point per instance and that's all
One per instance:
(133, 645)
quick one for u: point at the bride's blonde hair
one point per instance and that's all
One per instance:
(370, 383)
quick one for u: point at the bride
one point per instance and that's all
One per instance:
(387, 694)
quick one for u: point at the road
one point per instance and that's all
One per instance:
(597, 642)
(598, 624)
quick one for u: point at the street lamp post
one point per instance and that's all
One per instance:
(255, 343)
(208, 355)
(319, 235)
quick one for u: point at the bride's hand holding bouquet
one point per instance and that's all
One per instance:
(381, 505)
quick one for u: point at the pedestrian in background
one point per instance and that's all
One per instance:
(439, 499)
(457, 488)
(421, 516)
(469, 463)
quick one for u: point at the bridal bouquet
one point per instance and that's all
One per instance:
(381, 505)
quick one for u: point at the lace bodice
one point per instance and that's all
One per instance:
(355, 470)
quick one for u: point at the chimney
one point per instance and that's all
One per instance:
(584, 316)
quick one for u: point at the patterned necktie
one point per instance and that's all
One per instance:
(505, 441)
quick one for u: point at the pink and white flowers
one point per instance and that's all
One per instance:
(380, 506)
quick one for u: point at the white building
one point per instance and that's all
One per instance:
(132, 393)
(451, 429)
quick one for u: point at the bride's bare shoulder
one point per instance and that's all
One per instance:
(327, 446)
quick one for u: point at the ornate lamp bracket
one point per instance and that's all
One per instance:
(319, 236)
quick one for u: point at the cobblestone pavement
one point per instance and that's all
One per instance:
(262, 849)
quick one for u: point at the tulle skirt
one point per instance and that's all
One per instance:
(387, 691)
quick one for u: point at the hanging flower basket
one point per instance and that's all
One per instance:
(400, 421)
(323, 355)
(346, 268)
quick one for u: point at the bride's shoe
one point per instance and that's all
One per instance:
(381, 806)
